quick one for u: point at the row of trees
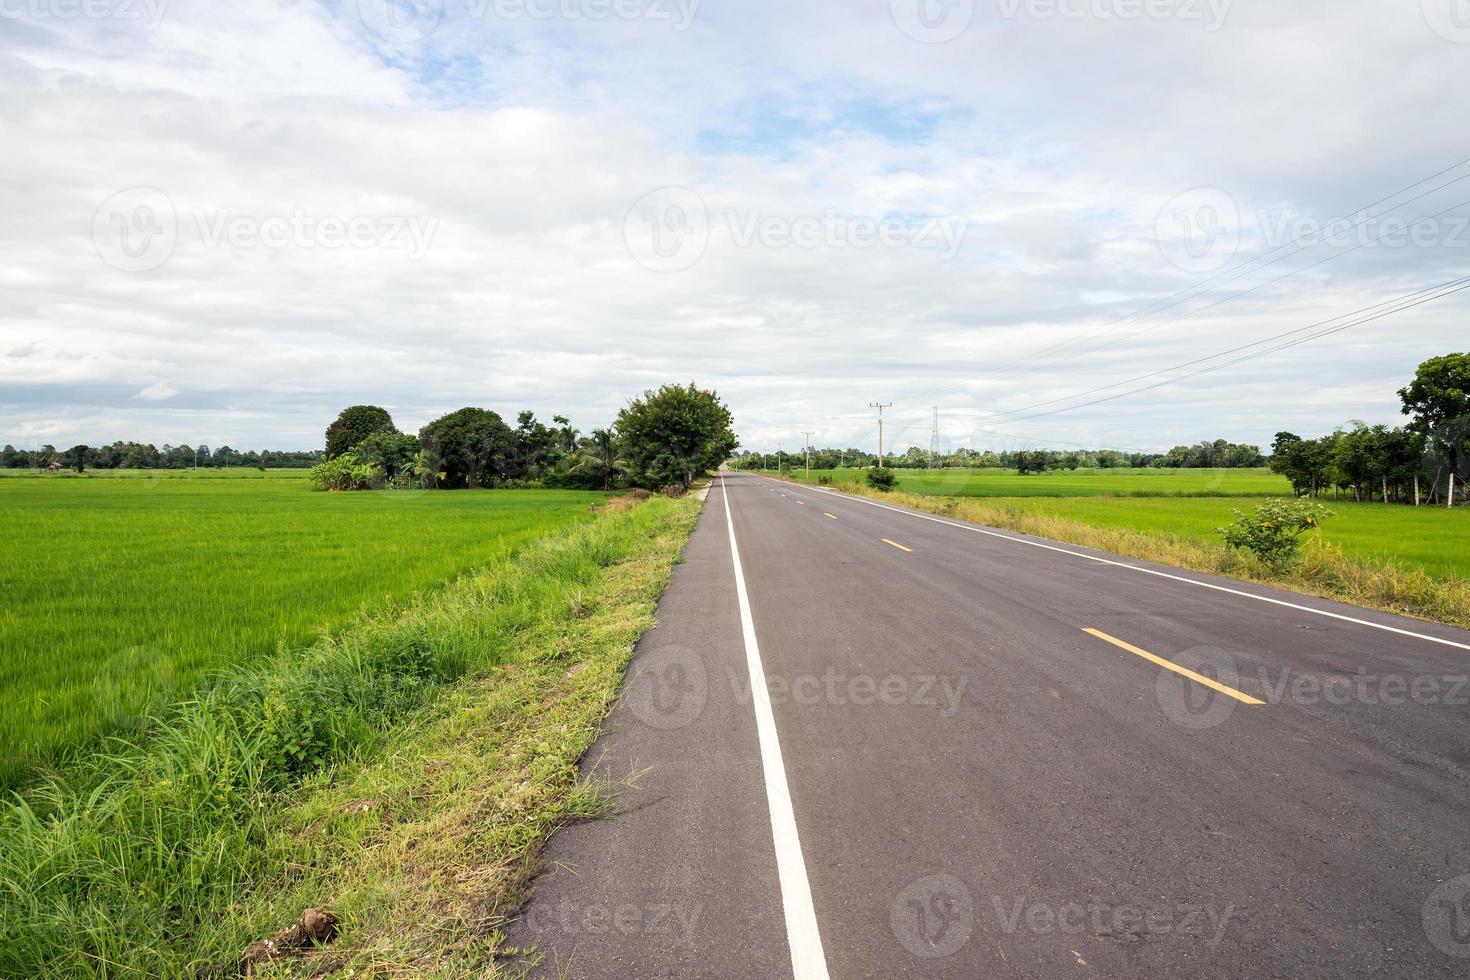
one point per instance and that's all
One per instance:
(145, 456)
(1205, 454)
(1422, 462)
(666, 438)
(1368, 461)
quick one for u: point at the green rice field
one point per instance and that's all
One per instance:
(126, 589)
(1435, 539)
(1191, 503)
(1149, 482)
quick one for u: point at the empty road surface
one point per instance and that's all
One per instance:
(970, 753)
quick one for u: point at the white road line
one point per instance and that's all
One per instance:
(1151, 571)
(802, 936)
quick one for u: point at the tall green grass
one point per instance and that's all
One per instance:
(134, 861)
(122, 592)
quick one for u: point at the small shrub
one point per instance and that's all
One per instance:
(347, 472)
(571, 480)
(1273, 532)
(404, 481)
(882, 478)
(824, 481)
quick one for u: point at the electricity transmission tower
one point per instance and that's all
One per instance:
(880, 406)
(808, 454)
(934, 440)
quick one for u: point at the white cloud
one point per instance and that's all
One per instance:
(516, 147)
(161, 391)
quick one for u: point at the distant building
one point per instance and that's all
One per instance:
(55, 464)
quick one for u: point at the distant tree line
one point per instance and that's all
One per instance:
(145, 456)
(667, 438)
(1205, 454)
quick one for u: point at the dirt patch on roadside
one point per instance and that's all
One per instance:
(627, 501)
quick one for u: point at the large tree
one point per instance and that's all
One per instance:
(535, 447)
(1438, 401)
(1361, 456)
(472, 447)
(1307, 463)
(76, 458)
(354, 425)
(674, 434)
(1439, 394)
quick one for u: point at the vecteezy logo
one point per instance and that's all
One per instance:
(1199, 230)
(932, 21)
(1450, 19)
(933, 917)
(1447, 917)
(667, 230)
(401, 21)
(1191, 704)
(133, 683)
(667, 687)
(136, 230)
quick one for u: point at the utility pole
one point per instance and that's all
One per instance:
(934, 440)
(808, 454)
(778, 459)
(880, 406)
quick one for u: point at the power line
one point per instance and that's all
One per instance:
(1038, 441)
(1271, 282)
(1458, 285)
(1243, 269)
(1218, 354)
(1355, 318)
(1034, 440)
(1180, 294)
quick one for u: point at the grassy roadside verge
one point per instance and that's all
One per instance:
(1323, 571)
(402, 773)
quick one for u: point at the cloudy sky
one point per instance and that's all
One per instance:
(1048, 218)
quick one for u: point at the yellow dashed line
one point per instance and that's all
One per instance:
(897, 545)
(1182, 671)
(833, 516)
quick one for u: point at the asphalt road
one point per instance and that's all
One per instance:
(950, 776)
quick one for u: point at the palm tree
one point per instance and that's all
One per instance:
(425, 469)
(567, 434)
(601, 455)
